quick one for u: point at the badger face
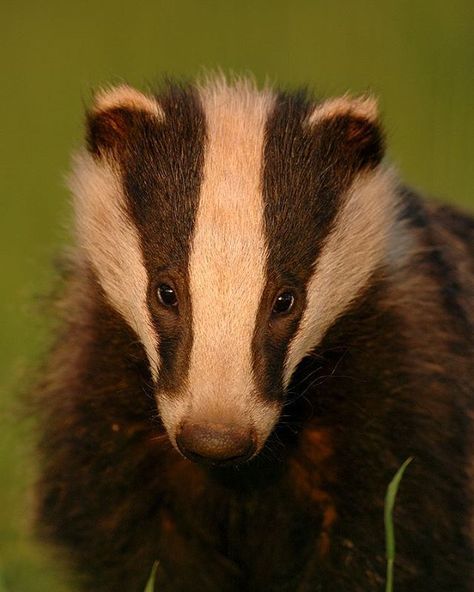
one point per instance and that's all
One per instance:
(230, 227)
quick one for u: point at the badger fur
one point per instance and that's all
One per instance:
(260, 323)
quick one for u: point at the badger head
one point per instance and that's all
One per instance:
(230, 228)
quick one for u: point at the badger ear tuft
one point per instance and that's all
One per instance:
(352, 129)
(114, 115)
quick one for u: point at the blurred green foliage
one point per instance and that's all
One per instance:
(416, 55)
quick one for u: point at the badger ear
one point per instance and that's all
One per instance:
(350, 129)
(116, 112)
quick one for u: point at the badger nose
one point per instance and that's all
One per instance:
(215, 443)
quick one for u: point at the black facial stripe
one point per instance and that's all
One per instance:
(162, 172)
(306, 171)
(162, 176)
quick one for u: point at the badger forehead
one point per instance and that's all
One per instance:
(232, 193)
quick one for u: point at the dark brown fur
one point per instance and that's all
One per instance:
(393, 378)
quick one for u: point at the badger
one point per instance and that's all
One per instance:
(260, 322)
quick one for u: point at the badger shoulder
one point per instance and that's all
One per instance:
(445, 242)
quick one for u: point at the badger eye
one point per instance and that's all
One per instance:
(166, 295)
(283, 303)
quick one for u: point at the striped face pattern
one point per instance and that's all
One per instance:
(230, 227)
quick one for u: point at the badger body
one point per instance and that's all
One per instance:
(260, 324)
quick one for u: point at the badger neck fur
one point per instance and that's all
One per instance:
(261, 323)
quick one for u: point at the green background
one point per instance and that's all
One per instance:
(416, 56)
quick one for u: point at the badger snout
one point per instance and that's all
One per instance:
(216, 443)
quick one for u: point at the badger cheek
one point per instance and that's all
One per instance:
(171, 408)
(265, 416)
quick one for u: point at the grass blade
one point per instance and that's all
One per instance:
(150, 587)
(388, 516)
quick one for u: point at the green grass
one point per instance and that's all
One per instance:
(151, 582)
(390, 498)
(3, 588)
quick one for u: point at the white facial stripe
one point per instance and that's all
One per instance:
(124, 96)
(359, 242)
(111, 243)
(363, 107)
(227, 261)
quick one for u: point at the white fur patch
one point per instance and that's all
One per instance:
(363, 107)
(126, 97)
(227, 261)
(111, 244)
(362, 238)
